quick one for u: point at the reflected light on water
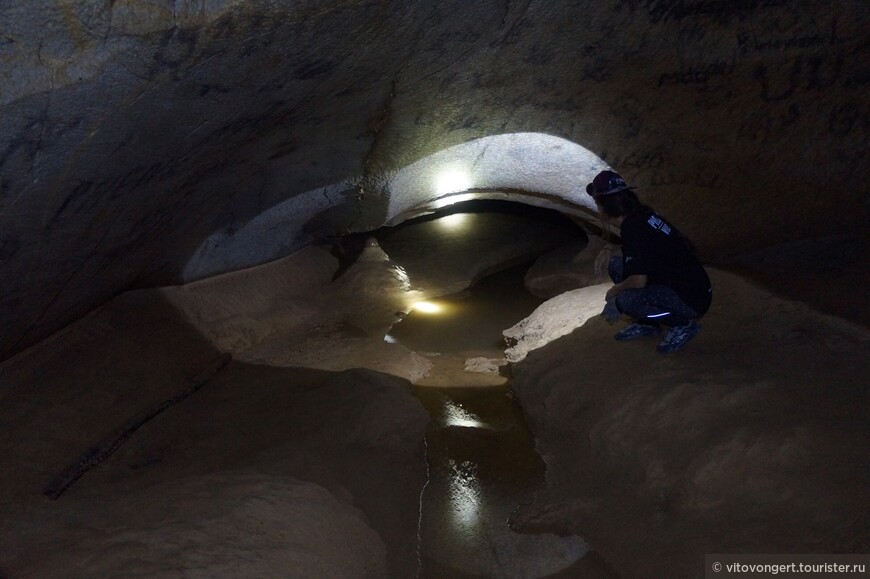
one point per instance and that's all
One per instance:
(427, 307)
(456, 221)
(455, 415)
(465, 494)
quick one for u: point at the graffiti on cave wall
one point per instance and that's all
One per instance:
(805, 71)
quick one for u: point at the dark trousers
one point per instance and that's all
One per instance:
(653, 304)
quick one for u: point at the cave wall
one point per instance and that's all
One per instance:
(133, 130)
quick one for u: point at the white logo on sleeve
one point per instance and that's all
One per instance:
(657, 223)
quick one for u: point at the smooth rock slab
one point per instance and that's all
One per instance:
(553, 319)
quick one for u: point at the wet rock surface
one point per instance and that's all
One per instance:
(293, 313)
(652, 460)
(292, 430)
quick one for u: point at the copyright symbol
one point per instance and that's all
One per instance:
(717, 567)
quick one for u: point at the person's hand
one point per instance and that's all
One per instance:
(611, 312)
(602, 259)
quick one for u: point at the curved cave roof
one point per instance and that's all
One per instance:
(155, 142)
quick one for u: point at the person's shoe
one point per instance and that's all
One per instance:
(634, 331)
(677, 337)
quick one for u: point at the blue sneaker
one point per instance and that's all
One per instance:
(635, 331)
(678, 336)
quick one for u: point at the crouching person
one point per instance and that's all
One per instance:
(659, 282)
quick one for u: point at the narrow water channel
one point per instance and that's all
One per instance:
(481, 455)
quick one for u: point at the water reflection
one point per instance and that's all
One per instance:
(465, 495)
(455, 222)
(456, 415)
(482, 462)
(482, 465)
(427, 307)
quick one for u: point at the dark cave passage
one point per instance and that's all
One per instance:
(481, 455)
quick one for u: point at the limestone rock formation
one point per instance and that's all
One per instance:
(221, 525)
(484, 365)
(570, 267)
(208, 485)
(291, 313)
(733, 445)
(555, 318)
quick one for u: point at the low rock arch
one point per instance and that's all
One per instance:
(532, 168)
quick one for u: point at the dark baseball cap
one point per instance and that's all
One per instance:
(605, 183)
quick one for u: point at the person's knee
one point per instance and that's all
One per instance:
(627, 300)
